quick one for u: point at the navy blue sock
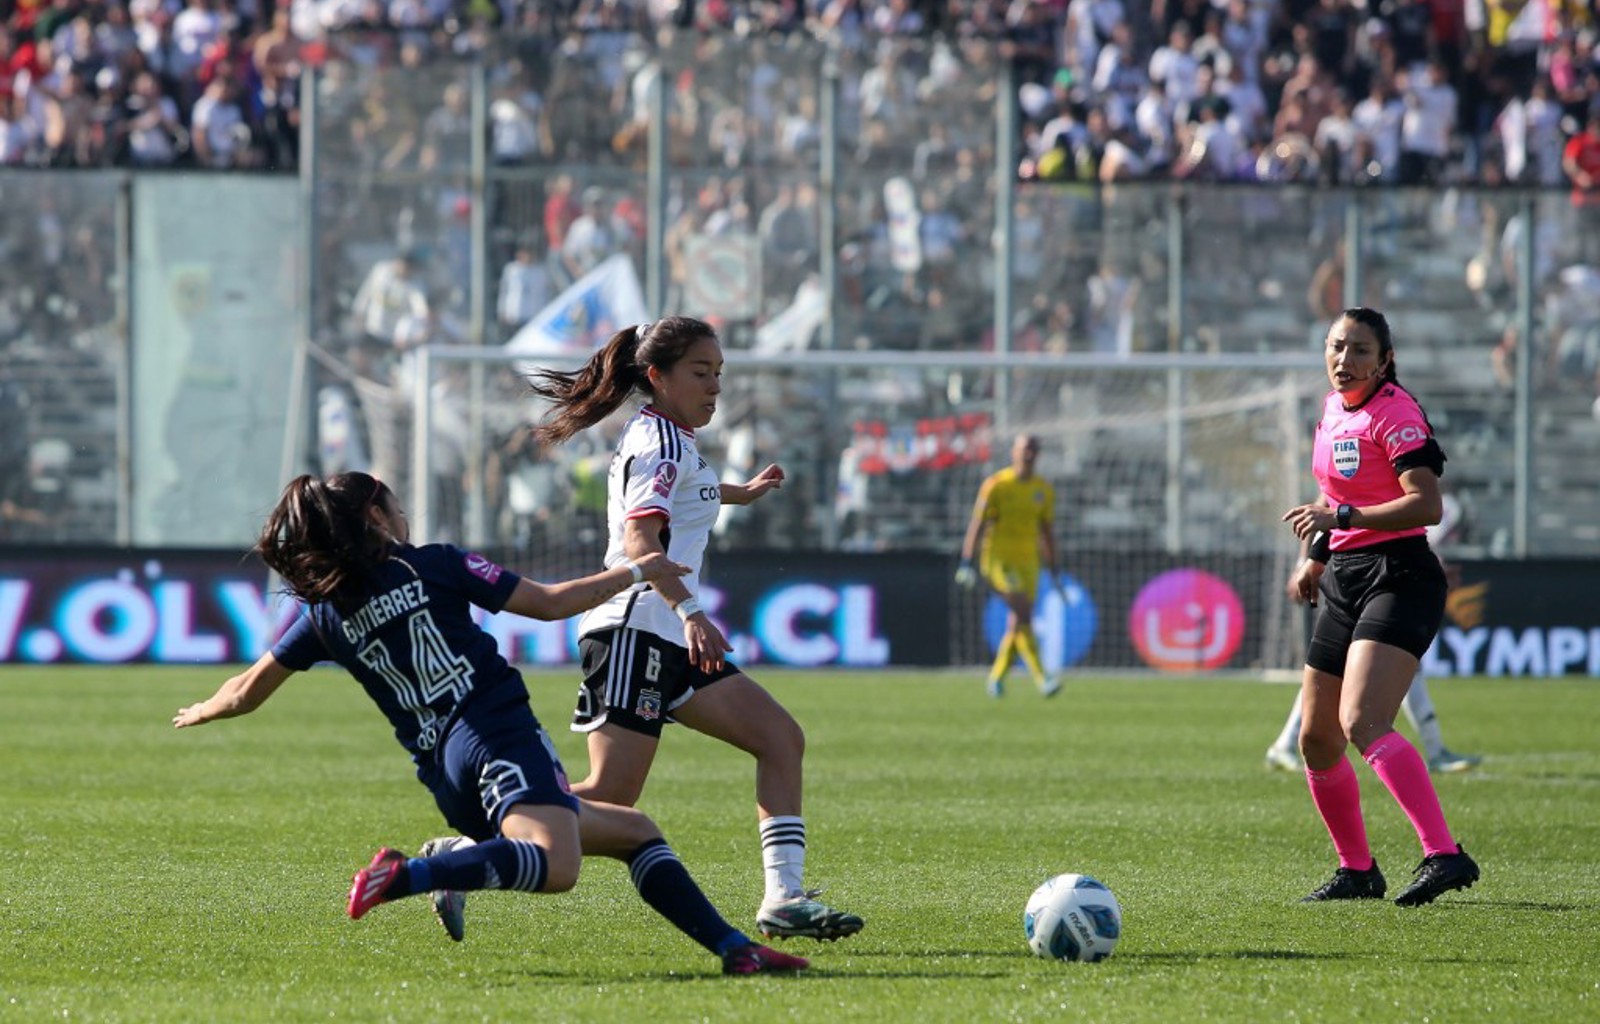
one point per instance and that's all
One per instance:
(496, 864)
(401, 887)
(665, 884)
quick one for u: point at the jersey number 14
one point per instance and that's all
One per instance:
(437, 671)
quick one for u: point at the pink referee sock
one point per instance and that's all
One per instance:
(1403, 771)
(1337, 795)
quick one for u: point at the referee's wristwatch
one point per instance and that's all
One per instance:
(1342, 516)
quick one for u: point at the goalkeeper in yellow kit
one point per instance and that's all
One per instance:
(1013, 520)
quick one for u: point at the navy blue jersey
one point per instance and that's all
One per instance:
(412, 643)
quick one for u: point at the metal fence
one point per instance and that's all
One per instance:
(752, 181)
(63, 342)
(803, 198)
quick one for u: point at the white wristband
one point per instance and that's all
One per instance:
(687, 607)
(633, 567)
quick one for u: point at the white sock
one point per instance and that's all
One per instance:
(1289, 738)
(783, 856)
(1419, 709)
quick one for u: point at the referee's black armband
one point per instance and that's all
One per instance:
(1318, 550)
(1429, 456)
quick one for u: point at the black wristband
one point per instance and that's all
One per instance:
(1318, 550)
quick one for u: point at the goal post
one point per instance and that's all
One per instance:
(1171, 474)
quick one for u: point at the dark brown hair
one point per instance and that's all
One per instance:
(320, 540)
(585, 396)
(1378, 324)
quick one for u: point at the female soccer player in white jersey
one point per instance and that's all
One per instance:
(1378, 466)
(398, 619)
(651, 654)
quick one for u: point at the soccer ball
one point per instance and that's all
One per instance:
(1072, 917)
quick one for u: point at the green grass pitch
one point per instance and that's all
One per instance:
(156, 875)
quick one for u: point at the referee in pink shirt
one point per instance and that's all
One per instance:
(1377, 466)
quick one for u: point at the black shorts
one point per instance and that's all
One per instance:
(635, 680)
(1391, 592)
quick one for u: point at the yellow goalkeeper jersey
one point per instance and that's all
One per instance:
(1013, 512)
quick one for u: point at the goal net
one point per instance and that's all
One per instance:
(1170, 473)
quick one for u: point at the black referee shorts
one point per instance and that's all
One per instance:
(1392, 592)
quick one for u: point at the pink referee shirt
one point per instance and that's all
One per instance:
(1353, 458)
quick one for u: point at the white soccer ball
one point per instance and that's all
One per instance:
(1072, 917)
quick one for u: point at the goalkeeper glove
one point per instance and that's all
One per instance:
(966, 575)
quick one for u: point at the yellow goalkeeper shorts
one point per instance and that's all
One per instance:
(1010, 577)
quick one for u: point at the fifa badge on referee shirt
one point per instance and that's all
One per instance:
(1346, 456)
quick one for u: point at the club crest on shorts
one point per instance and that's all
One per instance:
(649, 705)
(1346, 456)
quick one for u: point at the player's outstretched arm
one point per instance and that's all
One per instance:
(551, 601)
(240, 695)
(768, 479)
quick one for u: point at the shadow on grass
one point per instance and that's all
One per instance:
(814, 974)
(1535, 905)
(1244, 954)
(954, 954)
(1582, 779)
(980, 964)
(1280, 954)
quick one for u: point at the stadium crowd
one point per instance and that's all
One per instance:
(1335, 91)
(1358, 91)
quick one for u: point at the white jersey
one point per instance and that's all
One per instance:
(656, 471)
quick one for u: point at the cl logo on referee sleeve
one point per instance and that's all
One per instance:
(1405, 435)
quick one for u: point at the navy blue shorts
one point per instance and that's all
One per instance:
(495, 756)
(1391, 592)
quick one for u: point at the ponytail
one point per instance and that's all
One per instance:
(587, 395)
(320, 539)
(583, 397)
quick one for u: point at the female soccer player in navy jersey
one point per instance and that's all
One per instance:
(398, 618)
(1378, 466)
(651, 654)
